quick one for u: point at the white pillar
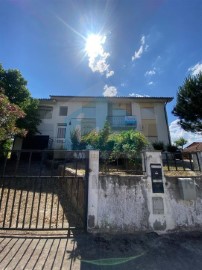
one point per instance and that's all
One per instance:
(93, 190)
(160, 218)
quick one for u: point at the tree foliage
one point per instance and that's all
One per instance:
(98, 140)
(124, 146)
(128, 142)
(77, 143)
(158, 145)
(180, 142)
(9, 114)
(188, 107)
(14, 86)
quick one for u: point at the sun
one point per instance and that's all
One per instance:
(94, 45)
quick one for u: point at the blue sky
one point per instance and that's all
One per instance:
(147, 47)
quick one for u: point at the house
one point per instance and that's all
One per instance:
(194, 147)
(62, 114)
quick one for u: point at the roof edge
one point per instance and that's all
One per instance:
(55, 97)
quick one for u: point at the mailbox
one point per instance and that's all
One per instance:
(157, 178)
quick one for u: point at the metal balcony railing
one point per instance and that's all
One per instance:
(122, 121)
(56, 143)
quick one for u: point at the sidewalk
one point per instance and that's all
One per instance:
(86, 252)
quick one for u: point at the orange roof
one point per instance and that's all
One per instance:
(194, 147)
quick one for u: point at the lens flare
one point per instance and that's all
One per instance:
(94, 45)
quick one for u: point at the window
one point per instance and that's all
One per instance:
(45, 112)
(62, 124)
(87, 125)
(148, 113)
(120, 109)
(89, 110)
(61, 133)
(61, 130)
(63, 111)
(149, 128)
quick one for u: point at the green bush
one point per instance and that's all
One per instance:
(158, 146)
(5, 147)
(98, 140)
(171, 148)
(91, 139)
(76, 140)
(129, 142)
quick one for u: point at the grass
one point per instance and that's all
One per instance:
(114, 170)
(180, 172)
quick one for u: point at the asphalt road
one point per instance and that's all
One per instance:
(176, 251)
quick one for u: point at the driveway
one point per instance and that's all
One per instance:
(86, 252)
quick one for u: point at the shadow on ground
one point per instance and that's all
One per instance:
(143, 251)
(86, 252)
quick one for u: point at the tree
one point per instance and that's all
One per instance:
(9, 114)
(130, 143)
(188, 107)
(98, 139)
(14, 86)
(180, 142)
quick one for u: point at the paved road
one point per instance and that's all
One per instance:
(142, 251)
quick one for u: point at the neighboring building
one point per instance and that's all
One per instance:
(62, 114)
(194, 147)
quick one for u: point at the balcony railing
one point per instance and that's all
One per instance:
(122, 121)
(57, 143)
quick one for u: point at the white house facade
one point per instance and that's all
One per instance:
(62, 114)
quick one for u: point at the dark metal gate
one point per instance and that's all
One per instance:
(43, 190)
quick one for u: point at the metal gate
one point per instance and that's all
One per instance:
(43, 190)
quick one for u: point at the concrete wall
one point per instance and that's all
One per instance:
(101, 114)
(129, 203)
(186, 214)
(122, 204)
(136, 112)
(162, 127)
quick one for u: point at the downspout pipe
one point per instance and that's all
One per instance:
(166, 116)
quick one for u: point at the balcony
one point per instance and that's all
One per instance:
(122, 122)
(57, 143)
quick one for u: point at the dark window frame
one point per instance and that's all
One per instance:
(63, 111)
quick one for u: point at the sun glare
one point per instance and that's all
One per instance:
(94, 44)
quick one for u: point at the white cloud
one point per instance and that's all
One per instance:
(143, 47)
(137, 95)
(176, 132)
(195, 70)
(138, 53)
(146, 47)
(97, 57)
(110, 73)
(143, 40)
(150, 72)
(150, 83)
(109, 91)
